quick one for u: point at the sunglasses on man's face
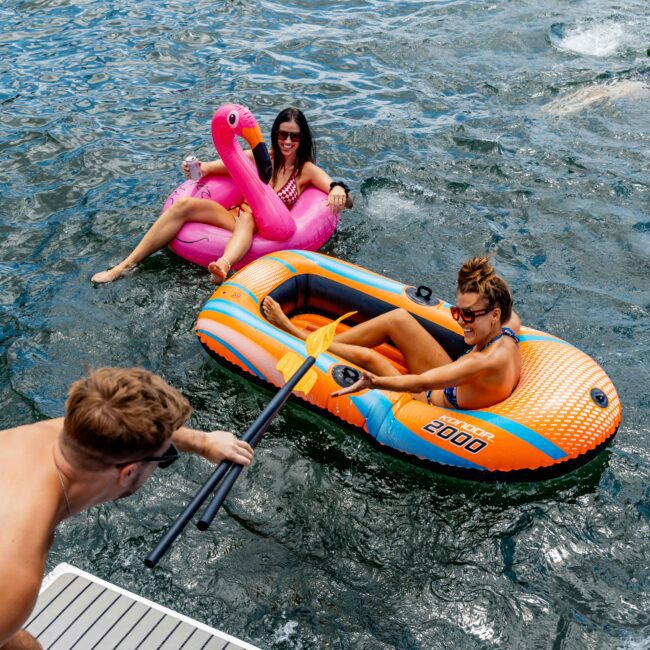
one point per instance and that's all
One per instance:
(170, 456)
(469, 315)
(285, 135)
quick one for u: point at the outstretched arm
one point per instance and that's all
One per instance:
(456, 373)
(215, 446)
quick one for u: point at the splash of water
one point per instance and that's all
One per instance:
(600, 93)
(594, 39)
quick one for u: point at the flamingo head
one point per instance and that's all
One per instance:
(232, 120)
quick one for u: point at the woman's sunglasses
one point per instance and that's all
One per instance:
(469, 315)
(285, 135)
(170, 456)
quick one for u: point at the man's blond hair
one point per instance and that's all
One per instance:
(122, 413)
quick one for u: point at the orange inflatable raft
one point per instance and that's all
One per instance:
(563, 411)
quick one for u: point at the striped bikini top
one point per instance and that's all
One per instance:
(288, 193)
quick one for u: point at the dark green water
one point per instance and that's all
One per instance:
(438, 115)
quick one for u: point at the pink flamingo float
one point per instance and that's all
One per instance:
(308, 225)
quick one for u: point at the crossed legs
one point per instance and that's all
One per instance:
(421, 351)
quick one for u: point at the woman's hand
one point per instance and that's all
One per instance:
(336, 199)
(367, 381)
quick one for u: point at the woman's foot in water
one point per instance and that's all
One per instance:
(112, 274)
(219, 270)
(277, 317)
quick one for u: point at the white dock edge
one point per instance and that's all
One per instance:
(77, 610)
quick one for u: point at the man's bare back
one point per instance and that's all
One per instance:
(30, 509)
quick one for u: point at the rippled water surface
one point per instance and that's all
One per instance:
(518, 128)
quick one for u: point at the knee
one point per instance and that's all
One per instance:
(368, 358)
(402, 316)
(181, 208)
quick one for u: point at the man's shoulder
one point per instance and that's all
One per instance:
(52, 426)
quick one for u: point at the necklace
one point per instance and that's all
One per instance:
(65, 494)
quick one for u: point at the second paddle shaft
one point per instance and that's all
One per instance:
(252, 436)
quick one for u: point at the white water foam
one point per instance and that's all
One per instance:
(390, 206)
(600, 39)
(597, 94)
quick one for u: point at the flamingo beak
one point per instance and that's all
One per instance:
(253, 135)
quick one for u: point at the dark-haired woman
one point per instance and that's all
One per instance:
(485, 375)
(292, 153)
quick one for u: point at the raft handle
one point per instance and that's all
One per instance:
(422, 295)
(424, 292)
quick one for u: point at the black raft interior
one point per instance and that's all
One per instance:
(313, 294)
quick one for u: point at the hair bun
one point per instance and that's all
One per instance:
(476, 270)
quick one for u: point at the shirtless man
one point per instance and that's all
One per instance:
(119, 425)
(487, 374)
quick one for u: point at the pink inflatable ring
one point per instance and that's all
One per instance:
(308, 225)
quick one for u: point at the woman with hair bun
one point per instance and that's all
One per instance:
(485, 375)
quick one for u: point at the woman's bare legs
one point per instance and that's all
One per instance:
(165, 229)
(421, 351)
(236, 248)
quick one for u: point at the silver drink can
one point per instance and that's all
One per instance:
(194, 165)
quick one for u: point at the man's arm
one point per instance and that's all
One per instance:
(215, 446)
(17, 599)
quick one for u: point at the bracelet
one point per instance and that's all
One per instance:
(340, 184)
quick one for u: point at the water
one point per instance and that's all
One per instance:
(437, 115)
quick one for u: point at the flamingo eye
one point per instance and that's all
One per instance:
(233, 118)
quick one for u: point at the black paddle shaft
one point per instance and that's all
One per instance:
(253, 436)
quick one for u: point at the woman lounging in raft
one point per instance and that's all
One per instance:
(485, 375)
(292, 154)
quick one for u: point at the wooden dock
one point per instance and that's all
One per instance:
(78, 610)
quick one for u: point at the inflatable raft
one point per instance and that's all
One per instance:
(308, 225)
(562, 412)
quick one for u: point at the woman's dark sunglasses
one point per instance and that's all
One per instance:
(469, 315)
(284, 135)
(169, 457)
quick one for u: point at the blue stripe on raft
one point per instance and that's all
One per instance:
(521, 431)
(357, 275)
(227, 308)
(540, 337)
(243, 288)
(382, 425)
(229, 347)
(279, 261)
